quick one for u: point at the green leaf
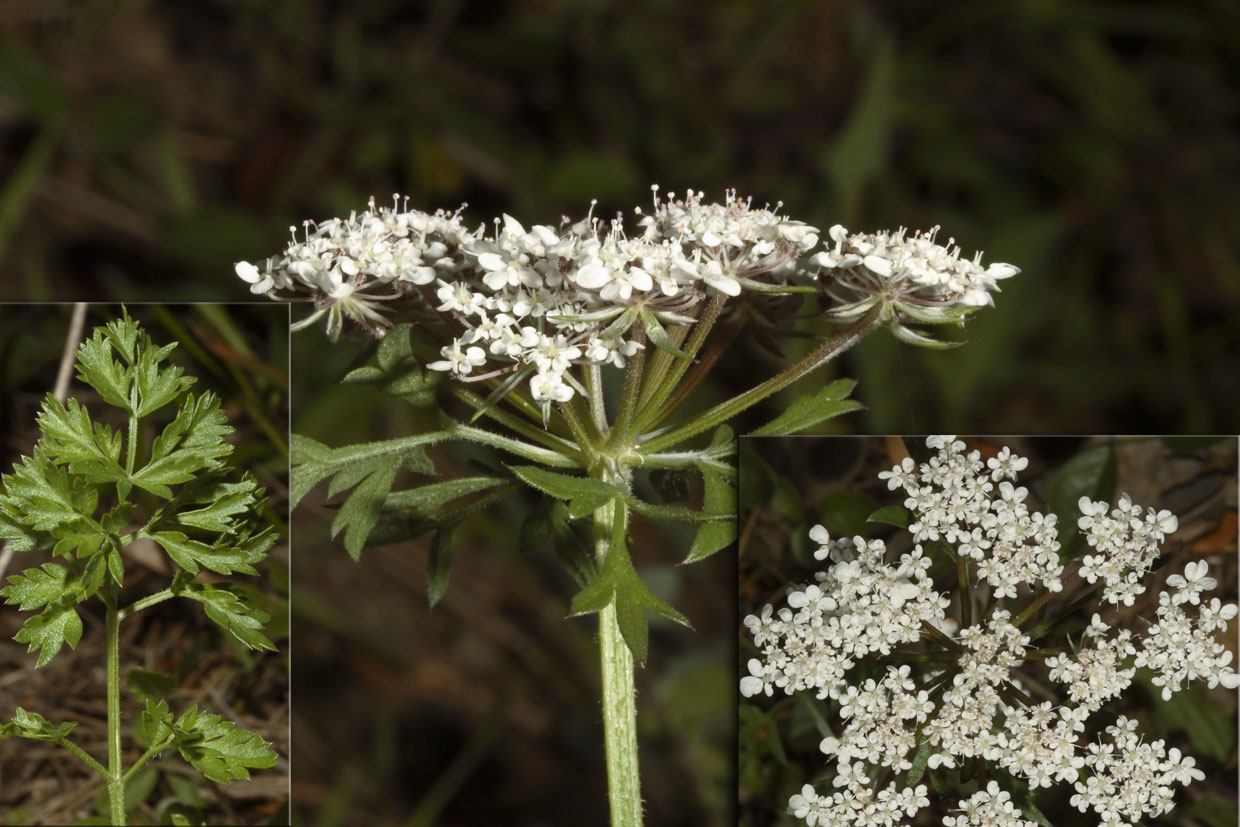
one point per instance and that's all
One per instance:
(920, 759)
(149, 685)
(426, 498)
(359, 513)
(157, 386)
(440, 565)
(59, 624)
(313, 462)
(398, 525)
(156, 722)
(845, 512)
(193, 441)
(656, 334)
(1091, 473)
(218, 749)
(895, 515)
(226, 501)
(38, 587)
(1022, 797)
(718, 497)
(43, 496)
(618, 582)
(34, 726)
(548, 523)
(228, 610)
(583, 494)
(221, 558)
(70, 437)
(813, 408)
(396, 371)
(97, 368)
(118, 518)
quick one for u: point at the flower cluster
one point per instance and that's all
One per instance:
(953, 497)
(589, 292)
(969, 699)
(990, 807)
(911, 276)
(859, 606)
(1127, 545)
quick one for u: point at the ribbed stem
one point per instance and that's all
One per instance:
(619, 707)
(115, 777)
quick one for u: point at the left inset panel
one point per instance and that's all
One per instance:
(144, 564)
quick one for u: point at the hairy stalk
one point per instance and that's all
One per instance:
(724, 411)
(115, 776)
(628, 398)
(653, 404)
(619, 707)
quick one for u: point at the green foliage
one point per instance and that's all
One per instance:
(618, 582)
(396, 371)
(219, 749)
(216, 748)
(584, 495)
(895, 515)
(33, 725)
(71, 496)
(1091, 473)
(230, 611)
(718, 497)
(813, 408)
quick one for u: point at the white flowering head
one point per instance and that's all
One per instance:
(873, 636)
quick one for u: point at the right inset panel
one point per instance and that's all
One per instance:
(988, 631)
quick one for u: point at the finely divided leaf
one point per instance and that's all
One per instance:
(59, 624)
(812, 409)
(361, 510)
(157, 386)
(313, 461)
(38, 587)
(43, 496)
(218, 749)
(396, 371)
(222, 558)
(33, 725)
(97, 368)
(583, 494)
(718, 497)
(232, 613)
(226, 500)
(619, 582)
(191, 442)
(156, 722)
(69, 436)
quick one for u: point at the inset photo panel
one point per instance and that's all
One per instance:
(144, 611)
(987, 630)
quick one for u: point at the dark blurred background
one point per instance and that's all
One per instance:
(148, 146)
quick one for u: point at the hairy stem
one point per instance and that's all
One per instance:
(837, 344)
(84, 755)
(115, 777)
(619, 707)
(145, 602)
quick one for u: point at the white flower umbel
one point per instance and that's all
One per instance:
(593, 288)
(873, 639)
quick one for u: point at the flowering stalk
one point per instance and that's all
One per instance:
(541, 320)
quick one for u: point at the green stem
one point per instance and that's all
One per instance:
(517, 447)
(145, 602)
(652, 402)
(586, 444)
(131, 446)
(114, 777)
(619, 707)
(628, 399)
(85, 756)
(598, 408)
(837, 344)
(146, 756)
(504, 418)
